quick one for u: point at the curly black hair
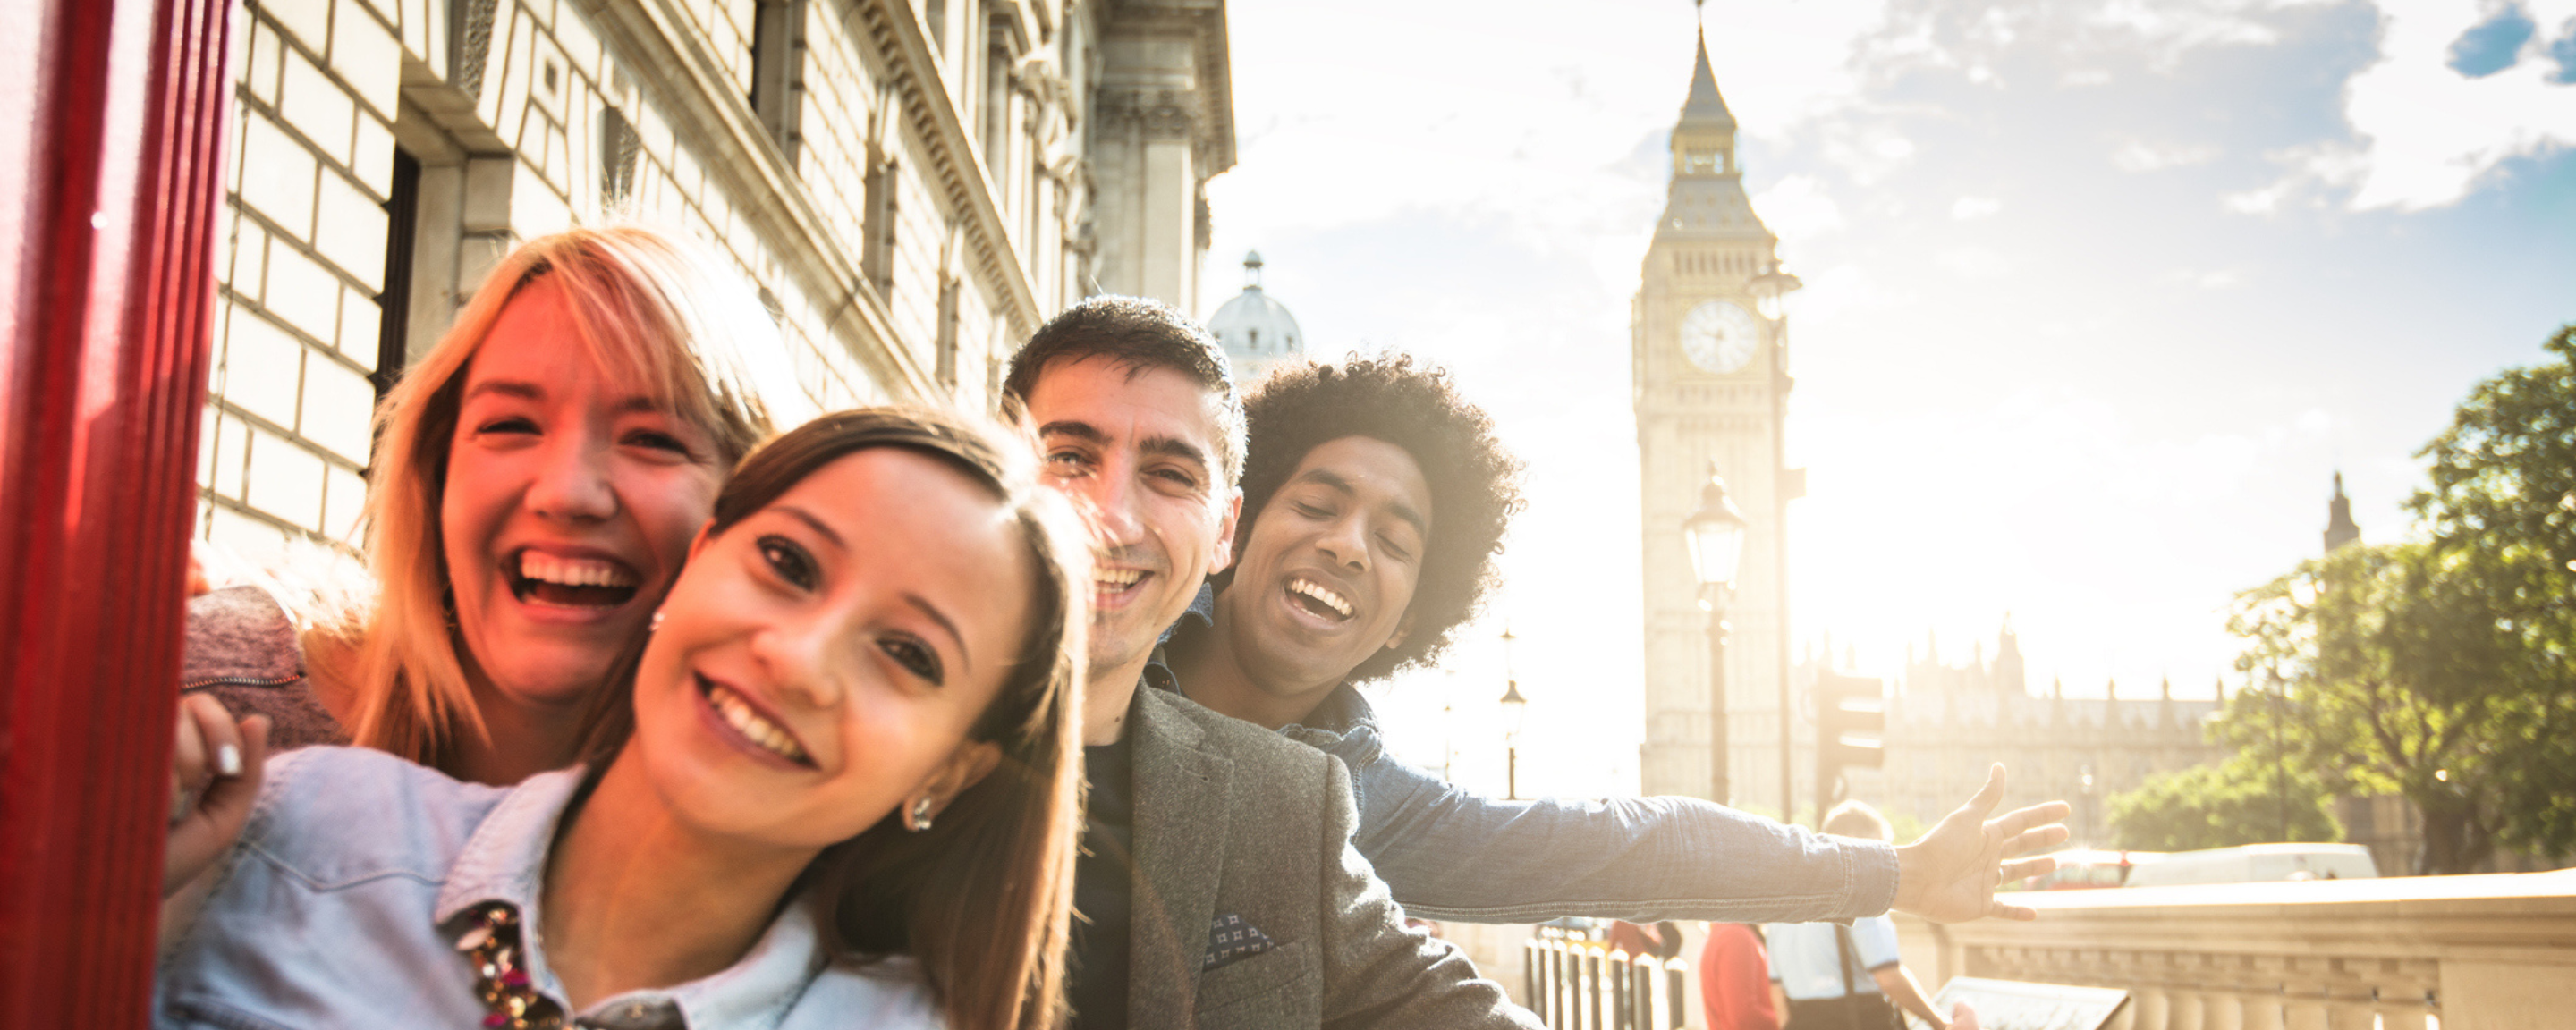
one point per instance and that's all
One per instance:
(1475, 482)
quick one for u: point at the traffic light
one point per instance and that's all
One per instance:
(1851, 730)
(1851, 722)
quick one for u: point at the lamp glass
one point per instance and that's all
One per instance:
(1715, 534)
(1771, 292)
(1514, 705)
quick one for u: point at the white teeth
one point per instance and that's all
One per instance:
(1314, 590)
(747, 721)
(573, 572)
(1116, 579)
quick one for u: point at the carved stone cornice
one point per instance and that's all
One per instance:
(1160, 113)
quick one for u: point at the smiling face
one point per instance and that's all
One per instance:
(1136, 448)
(569, 502)
(1329, 567)
(824, 658)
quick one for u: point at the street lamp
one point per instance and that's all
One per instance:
(1514, 707)
(1715, 535)
(1771, 292)
(1771, 289)
(2086, 787)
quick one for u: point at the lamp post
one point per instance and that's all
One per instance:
(1771, 292)
(1514, 706)
(1715, 535)
(2085, 785)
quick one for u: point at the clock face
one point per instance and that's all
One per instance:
(1719, 336)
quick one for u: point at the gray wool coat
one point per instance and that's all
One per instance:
(1232, 819)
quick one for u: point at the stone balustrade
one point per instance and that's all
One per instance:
(1574, 981)
(2408, 953)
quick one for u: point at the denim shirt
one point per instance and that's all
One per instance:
(342, 903)
(1453, 854)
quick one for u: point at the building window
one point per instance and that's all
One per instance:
(877, 227)
(778, 71)
(934, 13)
(997, 105)
(402, 223)
(948, 332)
(618, 145)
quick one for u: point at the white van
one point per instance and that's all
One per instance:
(2256, 863)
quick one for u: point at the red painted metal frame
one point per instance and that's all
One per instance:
(111, 152)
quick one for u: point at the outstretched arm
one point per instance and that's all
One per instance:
(1453, 854)
(1951, 874)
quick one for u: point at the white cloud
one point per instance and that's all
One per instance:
(2207, 278)
(1972, 208)
(2432, 134)
(2426, 135)
(1868, 153)
(1974, 263)
(2140, 156)
(1797, 208)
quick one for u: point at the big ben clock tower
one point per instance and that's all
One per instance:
(1709, 391)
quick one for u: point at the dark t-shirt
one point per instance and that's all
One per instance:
(1104, 888)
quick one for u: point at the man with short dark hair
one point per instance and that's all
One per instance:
(1375, 501)
(1218, 886)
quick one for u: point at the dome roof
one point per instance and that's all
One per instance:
(1254, 327)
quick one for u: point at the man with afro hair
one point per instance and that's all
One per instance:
(1375, 499)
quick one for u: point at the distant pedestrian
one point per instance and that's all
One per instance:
(1662, 940)
(1735, 979)
(1836, 977)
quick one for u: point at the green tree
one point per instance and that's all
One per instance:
(2390, 660)
(2500, 512)
(2443, 669)
(2245, 800)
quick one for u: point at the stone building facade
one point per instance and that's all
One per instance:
(1947, 722)
(914, 185)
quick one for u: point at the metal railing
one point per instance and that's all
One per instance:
(1574, 981)
(2460, 952)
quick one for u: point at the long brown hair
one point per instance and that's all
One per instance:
(981, 899)
(641, 305)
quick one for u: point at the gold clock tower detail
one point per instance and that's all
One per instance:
(1709, 389)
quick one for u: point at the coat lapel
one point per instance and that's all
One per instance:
(1183, 793)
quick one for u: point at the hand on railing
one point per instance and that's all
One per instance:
(215, 768)
(1962, 1017)
(1951, 874)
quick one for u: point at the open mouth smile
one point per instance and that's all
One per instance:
(535, 576)
(1319, 600)
(746, 720)
(1111, 587)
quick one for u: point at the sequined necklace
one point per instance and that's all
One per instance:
(495, 949)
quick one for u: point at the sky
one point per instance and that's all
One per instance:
(2100, 295)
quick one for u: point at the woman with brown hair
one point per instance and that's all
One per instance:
(835, 786)
(537, 477)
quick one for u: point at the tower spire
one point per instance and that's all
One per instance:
(2340, 529)
(1705, 106)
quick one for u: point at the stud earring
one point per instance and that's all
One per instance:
(656, 624)
(918, 820)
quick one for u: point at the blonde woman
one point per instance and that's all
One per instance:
(834, 787)
(537, 477)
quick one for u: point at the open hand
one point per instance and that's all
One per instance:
(1951, 874)
(215, 767)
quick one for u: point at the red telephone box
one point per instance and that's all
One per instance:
(111, 152)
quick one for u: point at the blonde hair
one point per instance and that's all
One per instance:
(642, 306)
